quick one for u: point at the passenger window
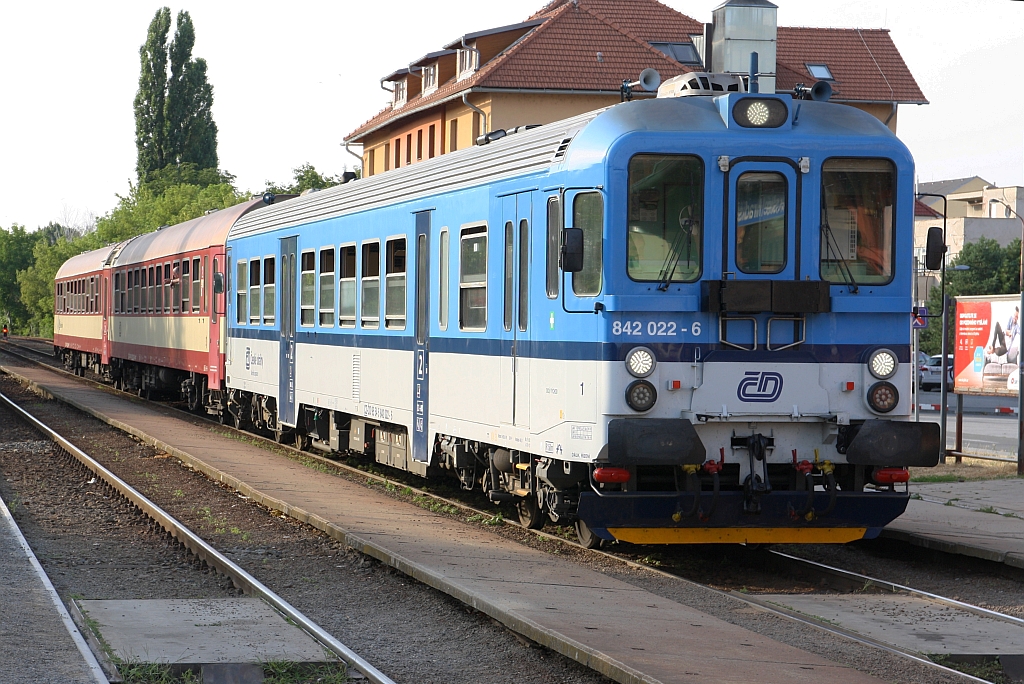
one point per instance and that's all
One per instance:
(175, 287)
(761, 222)
(307, 285)
(665, 216)
(196, 287)
(167, 288)
(254, 292)
(442, 309)
(524, 272)
(857, 220)
(327, 287)
(510, 242)
(473, 280)
(269, 291)
(242, 296)
(158, 287)
(554, 245)
(394, 295)
(202, 281)
(347, 286)
(588, 215)
(370, 304)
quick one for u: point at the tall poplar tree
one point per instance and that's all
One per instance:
(173, 115)
(150, 101)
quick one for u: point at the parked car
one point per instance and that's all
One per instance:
(929, 376)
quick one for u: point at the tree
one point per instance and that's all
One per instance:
(36, 281)
(151, 100)
(191, 131)
(15, 254)
(306, 178)
(993, 270)
(54, 231)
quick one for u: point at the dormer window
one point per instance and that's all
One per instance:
(430, 78)
(467, 63)
(820, 72)
(399, 93)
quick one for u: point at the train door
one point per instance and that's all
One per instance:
(421, 343)
(216, 314)
(104, 304)
(762, 242)
(517, 222)
(286, 387)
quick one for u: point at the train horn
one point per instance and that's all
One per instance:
(819, 92)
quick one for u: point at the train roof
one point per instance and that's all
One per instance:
(574, 142)
(199, 233)
(85, 263)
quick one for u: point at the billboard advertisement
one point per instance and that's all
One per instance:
(987, 345)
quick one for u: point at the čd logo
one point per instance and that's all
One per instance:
(760, 386)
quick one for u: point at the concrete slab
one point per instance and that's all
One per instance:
(1004, 495)
(196, 632)
(910, 623)
(608, 625)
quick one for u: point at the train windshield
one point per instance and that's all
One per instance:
(665, 217)
(857, 221)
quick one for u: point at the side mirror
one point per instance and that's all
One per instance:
(572, 250)
(934, 250)
(218, 283)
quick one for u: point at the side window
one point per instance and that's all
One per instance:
(327, 287)
(167, 288)
(370, 296)
(242, 296)
(347, 286)
(254, 291)
(152, 289)
(394, 291)
(185, 280)
(307, 284)
(269, 291)
(554, 245)
(588, 215)
(442, 309)
(473, 279)
(510, 248)
(176, 287)
(158, 286)
(202, 282)
(197, 289)
(143, 307)
(524, 274)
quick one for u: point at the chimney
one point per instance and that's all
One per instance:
(740, 27)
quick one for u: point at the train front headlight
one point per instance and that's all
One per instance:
(883, 364)
(883, 397)
(640, 362)
(641, 395)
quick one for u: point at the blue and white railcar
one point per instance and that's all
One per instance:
(673, 320)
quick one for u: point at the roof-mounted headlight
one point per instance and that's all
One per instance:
(640, 362)
(755, 112)
(883, 364)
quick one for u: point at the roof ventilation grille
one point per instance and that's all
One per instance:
(702, 83)
(562, 148)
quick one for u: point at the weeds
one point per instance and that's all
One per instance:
(988, 509)
(990, 670)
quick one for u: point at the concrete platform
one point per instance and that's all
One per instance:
(194, 632)
(913, 624)
(962, 527)
(615, 628)
(38, 641)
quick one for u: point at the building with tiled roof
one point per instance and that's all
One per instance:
(573, 55)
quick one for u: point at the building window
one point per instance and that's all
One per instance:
(369, 163)
(398, 152)
(684, 53)
(327, 287)
(820, 72)
(431, 141)
(429, 78)
(370, 305)
(442, 309)
(394, 282)
(269, 291)
(399, 93)
(419, 144)
(387, 156)
(254, 292)
(241, 306)
(588, 215)
(347, 286)
(473, 279)
(453, 137)
(408, 149)
(467, 63)
(197, 289)
(307, 298)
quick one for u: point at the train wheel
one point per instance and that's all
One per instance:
(530, 515)
(588, 539)
(301, 441)
(236, 420)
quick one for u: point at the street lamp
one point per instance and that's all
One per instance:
(1020, 368)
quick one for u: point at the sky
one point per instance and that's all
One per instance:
(292, 79)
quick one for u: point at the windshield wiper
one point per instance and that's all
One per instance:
(668, 269)
(832, 247)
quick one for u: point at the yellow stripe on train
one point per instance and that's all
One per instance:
(737, 535)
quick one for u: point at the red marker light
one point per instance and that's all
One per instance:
(611, 475)
(890, 475)
(674, 385)
(849, 386)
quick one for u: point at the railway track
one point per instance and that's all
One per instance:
(786, 564)
(201, 549)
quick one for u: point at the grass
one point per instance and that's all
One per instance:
(14, 503)
(990, 670)
(275, 672)
(988, 509)
(947, 477)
